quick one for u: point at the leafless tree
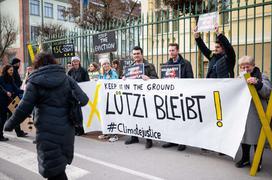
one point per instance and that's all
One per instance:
(8, 33)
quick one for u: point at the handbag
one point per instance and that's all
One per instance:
(75, 113)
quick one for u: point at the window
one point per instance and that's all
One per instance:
(48, 10)
(34, 33)
(60, 12)
(35, 7)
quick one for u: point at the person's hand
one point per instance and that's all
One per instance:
(252, 80)
(196, 34)
(216, 29)
(124, 78)
(145, 77)
(9, 94)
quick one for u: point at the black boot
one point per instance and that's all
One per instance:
(148, 143)
(132, 140)
(245, 156)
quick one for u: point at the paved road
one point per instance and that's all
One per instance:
(101, 160)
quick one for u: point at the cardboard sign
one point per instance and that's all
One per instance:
(104, 42)
(63, 50)
(134, 72)
(13, 105)
(207, 22)
(170, 71)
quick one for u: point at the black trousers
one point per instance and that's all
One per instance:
(4, 114)
(61, 176)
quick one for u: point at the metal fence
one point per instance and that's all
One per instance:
(247, 24)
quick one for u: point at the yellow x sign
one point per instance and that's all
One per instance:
(265, 121)
(93, 106)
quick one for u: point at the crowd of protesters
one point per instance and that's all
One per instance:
(47, 90)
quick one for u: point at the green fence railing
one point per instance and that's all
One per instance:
(247, 24)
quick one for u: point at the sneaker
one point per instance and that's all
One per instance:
(168, 145)
(148, 144)
(181, 147)
(113, 138)
(3, 139)
(103, 136)
(242, 163)
(132, 140)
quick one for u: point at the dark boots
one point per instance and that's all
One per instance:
(245, 160)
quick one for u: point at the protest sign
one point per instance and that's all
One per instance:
(170, 71)
(134, 71)
(104, 42)
(207, 22)
(208, 114)
(63, 50)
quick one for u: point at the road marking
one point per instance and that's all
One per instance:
(107, 164)
(28, 159)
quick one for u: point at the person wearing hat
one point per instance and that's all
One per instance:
(16, 65)
(79, 74)
(107, 72)
(16, 62)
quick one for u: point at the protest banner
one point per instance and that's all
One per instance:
(134, 71)
(203, 113)
(170, 71)
(207, 22)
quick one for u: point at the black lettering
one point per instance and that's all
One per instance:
(189, 108)
(158, 107)
(107, 108)
(127, 94)
(116, 106)
(166, 109)
(173, 106)
(198, 105)
(136, 106)
(182, 108)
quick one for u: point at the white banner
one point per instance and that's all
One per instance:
(205, 113)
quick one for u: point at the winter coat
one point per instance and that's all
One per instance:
(79, 75)
(149, 70)
(16, 76)
(186, 70)
(253, 125)
(112, 74)
(48, 90)
(8, 87)
(220, 65)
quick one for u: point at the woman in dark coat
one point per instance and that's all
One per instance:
(48, 90)
(8, 91)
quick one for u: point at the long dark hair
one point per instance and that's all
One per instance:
(43, 59)
(6, 76)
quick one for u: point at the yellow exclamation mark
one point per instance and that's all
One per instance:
(217, 103)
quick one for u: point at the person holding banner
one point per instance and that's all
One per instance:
(48, 90)
(222, 60)
(253, 125)
(8, 91)
(109, 74)
(79, 74)
(117, 66)
(149, 73)
(186, 71)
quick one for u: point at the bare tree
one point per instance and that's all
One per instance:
(103, 11)
(51, 29)
(8, 33)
